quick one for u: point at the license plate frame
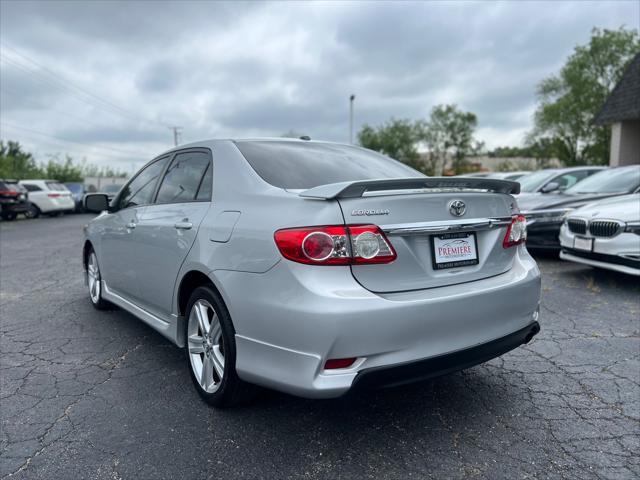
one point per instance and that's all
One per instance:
(467, 261)
(583, 244)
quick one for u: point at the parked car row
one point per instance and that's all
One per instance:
(590, 215)
(33, 198)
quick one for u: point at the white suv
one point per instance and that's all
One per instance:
(48, 196)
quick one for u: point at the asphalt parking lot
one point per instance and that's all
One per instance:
(88, 394)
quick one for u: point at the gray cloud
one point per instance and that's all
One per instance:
(244, 69)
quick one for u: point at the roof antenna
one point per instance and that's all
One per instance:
(305, 137)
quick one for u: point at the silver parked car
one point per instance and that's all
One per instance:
(604, 234)
(313, 268)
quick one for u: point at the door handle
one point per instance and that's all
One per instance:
(183, 225)
(131, 225)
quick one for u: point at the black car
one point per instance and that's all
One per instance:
(13, 199)
(545, 213)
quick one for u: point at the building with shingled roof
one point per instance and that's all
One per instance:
(622, 112)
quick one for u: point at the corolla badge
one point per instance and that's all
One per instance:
(358, 212)
(457, 208)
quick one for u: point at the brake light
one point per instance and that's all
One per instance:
(53, 195)
(335, 245)
(10, 193)
(516, 233)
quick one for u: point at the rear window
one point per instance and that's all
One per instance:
(56, 186)
(296, 165)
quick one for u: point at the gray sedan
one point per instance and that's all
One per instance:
(313, 268)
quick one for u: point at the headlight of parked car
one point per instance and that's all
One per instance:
(632, 227)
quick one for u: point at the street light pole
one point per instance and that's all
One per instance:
(351, 99)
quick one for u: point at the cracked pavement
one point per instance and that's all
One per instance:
(99, 395)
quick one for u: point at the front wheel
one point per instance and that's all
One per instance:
(211, 351)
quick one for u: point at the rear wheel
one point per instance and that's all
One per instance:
(94, 283)
(211, 351)
(33, 212)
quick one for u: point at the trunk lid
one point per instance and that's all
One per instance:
(434, 246)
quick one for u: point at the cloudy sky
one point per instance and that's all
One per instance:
(106, 80)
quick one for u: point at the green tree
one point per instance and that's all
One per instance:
(449, 135)
(63, 171)
(16, 163)
(398, 138)
(568, 102)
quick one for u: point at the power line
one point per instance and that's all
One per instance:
(71, 86)
(121, 152)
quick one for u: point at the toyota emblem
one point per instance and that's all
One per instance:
(457, 208)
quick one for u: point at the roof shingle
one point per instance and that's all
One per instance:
(624, 101)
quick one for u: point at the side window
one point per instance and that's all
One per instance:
(183, 177)
(570, 179)
(140, 190)
(31, 187)
(204, 192)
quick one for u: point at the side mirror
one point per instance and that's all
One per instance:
(96, 202)
(550, 187)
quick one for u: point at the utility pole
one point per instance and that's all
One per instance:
(176, 135)
(351, 99)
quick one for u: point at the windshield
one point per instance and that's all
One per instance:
(297, 165)
(533, 181)
(616, 180)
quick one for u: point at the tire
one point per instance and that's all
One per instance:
(9, 216)
(207, 357)
(33, 212)
(94, 284)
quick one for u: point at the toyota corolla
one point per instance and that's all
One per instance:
(313, 268)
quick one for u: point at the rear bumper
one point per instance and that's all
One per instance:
(294, 317)
(17, 207)
(382, 377)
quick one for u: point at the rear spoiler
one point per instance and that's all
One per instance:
(359, 187)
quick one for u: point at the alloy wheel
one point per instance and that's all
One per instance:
(206, 345)
(93, 277)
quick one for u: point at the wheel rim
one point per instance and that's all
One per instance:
(93, 275)
(206, 346)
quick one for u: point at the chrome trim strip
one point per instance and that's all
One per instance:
(446, 226)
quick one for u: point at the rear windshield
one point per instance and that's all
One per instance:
(615, 180)
(57, 186)
(296, 165)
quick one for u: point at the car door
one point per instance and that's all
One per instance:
(167, 229)
(117, 255)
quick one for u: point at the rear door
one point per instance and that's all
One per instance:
(441, 238)
(167, 229)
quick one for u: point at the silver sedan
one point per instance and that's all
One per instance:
(313, 268)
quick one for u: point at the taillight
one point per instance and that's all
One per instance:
(53, 195)
(516, 233)
(9, 193)
(335, 245)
